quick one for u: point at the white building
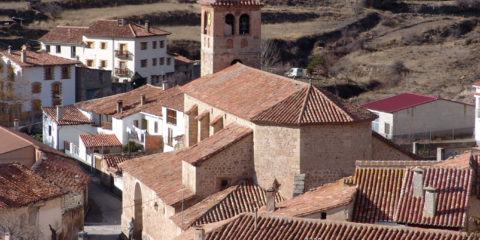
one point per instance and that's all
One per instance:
(116, 45)
(476, 86)
(417, 116)
(36, 79)
(149, 116)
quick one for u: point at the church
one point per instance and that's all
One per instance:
(250, 136)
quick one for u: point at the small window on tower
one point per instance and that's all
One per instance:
(229, 25)
(244, 24)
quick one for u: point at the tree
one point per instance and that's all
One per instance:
(14, 224)
(138, 81)
(270, 52)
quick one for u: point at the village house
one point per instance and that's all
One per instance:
(30, 80)
(414, 116)
(118, 46)
(40, 186)
(476, 95)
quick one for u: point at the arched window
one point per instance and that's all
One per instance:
(206, 15)
(236, 61)
(244, 24)
(229, 24)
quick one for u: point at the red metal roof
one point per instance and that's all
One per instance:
(399, 102)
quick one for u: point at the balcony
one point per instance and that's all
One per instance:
(121, 54)
(122, 72)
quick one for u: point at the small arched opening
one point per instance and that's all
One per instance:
(236, 61)
(138, 213)
(244, 24)
(229, 24)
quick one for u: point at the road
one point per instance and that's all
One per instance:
(103, 218)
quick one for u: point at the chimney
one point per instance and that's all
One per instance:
(10, 49)
(440, 154)
(199, 233)
(142, 99)
(119, 106)
(59, 113)
(6, 236)
(430, 205)
(165, 84)
(24, 54)
(147, 25)
(418, 182)
(270, 195)
(16, 124)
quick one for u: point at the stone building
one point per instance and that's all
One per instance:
(231, 33)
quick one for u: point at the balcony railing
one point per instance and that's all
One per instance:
(122, 72)
(107, 125)
(121, 54)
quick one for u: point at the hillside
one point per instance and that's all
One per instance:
(428, 47)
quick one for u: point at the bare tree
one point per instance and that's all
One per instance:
(270, 53)
(16, 225)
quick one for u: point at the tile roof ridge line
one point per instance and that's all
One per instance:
(67, 26)
(341, 108)
(304, 104)
(131, 29)
(402, 194)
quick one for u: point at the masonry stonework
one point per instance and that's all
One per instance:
(383, 151)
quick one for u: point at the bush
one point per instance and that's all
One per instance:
(132, 147)
(469, 4)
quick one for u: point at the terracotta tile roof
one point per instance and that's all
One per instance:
(311, 105)
(245, 197)
(111, 28)
(64, 34)
(70, 115)
(214, 144)
(113, 161)
(35, 59)
(395, 146)
(323, 198)
(155, 99)
(162, 173)
(460, 161)
(19, 187)
(270, 227)
(453, 189)
(259, 96)
(63, 172)
(181, 60)
(100, 140)
(231, 3)
(378, 193)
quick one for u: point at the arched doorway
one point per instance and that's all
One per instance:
(236, 61)
(138, 213)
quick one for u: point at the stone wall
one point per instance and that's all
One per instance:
(383, 151)
(156, 220)
(72, 223)
(277, 156)
(232, 164)
(328, 152)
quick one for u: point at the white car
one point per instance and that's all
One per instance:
(294, 72)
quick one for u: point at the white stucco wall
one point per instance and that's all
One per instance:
(65, 49)
(178, 129)
(477, 114)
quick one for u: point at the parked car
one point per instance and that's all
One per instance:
(295, 72)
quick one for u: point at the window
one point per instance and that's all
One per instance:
(90, 63)
(56, 90)
(47, 48)
(375, 125)
(48, 73)
(50, 130)
(57, 102)
(387, 128)
(59, 49)
(103, 63)
(143, 45)
(229, 25)
(162, 61)
(155, 127)
(223, 184)
(65, 72)
(154, 62)
(103, 45)
(323, 215)
(172, 116)
(143, 63)
(36, 105)
(73, 51)
(169, 61)
(36, 87)
(244, 24)
(162, 43)
(154, 44)
(135, 123)
(170, 137)
(89, 44)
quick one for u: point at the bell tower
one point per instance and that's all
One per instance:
(231, 33)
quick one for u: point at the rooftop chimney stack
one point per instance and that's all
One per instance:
(119, 106)
(440, 154)
(16, 124)
(59, 113)
(418, 182)
(10, 49)
(199, 233)
(270, 195)
(6, 235)
(24, 54)
(165, 84)
(142, 99)
(147, 25)
(430, 205)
